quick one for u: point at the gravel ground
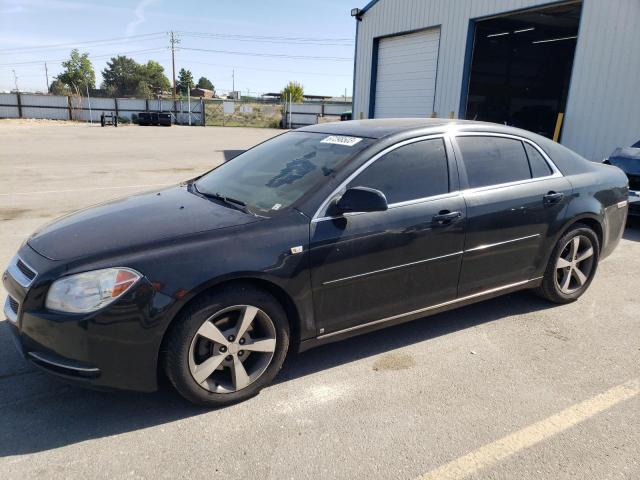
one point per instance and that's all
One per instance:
(509, 388)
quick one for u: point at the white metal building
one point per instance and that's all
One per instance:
(520, 62)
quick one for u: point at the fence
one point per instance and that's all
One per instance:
(61, 107)
(247, 113)
(303, 114)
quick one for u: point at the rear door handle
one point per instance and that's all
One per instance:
(553, 198)
(446, 217)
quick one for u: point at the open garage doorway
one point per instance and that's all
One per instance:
(521, 68)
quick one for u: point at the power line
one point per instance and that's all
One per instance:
(87, 42)
(267, 39)
(271, 55)
(187, 61)
(95, 57)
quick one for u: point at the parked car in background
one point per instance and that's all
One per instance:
(313, 236)
(628, 160)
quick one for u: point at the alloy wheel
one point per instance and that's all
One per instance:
(574, 264)
(232, 349)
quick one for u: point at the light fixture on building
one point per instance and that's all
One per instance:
(497, 34)
(559, 39)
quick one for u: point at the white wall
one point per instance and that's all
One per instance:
(603, 109)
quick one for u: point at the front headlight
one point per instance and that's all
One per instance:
(89, 291)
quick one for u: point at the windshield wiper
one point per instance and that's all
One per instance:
(232, 202)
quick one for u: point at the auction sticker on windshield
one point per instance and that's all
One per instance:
(341, 140)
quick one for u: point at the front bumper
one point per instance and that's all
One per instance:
(115, 347)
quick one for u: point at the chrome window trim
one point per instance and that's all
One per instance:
(17, 275)
(395, 267)
(9, 313)
(445, 136)
(556, 172)
(316, 217)
(426, 309)
(394, 205)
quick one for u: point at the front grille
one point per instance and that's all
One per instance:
(26, 271)
(21, 272)
(11, 307)
(14, 305)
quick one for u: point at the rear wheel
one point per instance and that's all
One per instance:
(572, 266)
(227, 346)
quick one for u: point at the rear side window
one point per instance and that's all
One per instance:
(493, 160)
(539, 166)
(413, 171)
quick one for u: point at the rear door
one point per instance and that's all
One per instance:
(514, 193)
(371, 266)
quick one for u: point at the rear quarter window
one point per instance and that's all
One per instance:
(539, 166)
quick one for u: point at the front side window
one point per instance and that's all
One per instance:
(278, 172)
(493, 160)
(410, 172)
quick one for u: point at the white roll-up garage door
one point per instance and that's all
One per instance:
(406, 74)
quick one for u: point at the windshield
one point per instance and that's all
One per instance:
(278, 172)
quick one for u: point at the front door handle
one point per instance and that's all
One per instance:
(553, 198)
(445, 217)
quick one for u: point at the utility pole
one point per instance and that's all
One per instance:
(89, 100)
(233, 81)
(46, 74)
(15, 79)
(173, 41)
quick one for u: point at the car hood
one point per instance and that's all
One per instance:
(627, 159)
(133, 222)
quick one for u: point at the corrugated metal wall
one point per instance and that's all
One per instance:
(603, 108)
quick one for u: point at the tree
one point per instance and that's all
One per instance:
(78, 72)
(58, 88)
(125, 77)
(296, 90)
(185, 81)
(205, 83)
(152, 73)
(121, 76)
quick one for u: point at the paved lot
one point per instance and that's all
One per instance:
(510, 388)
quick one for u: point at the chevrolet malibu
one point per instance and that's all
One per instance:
(315, 235)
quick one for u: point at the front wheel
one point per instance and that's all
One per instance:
(572, 266)
(227, 346)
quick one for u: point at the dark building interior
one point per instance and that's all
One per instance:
(521, 67)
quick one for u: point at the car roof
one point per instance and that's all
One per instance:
(384, 127)
(376, 128)
(567, 161)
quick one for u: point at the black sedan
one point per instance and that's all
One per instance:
(313, 236)
(628, 160)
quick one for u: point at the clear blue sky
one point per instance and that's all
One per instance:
(31, 30)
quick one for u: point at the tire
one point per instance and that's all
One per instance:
(578, 249)
(205, 332)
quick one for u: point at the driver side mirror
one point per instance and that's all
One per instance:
(361, 199)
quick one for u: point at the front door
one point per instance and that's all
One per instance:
(370, 266)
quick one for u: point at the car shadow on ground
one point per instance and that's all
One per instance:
(40, 413)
